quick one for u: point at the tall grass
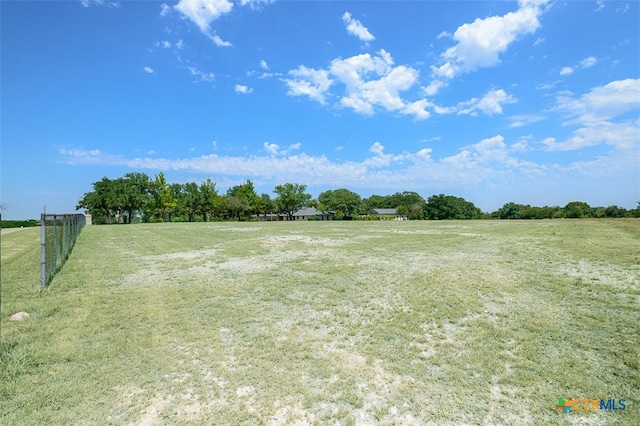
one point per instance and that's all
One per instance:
(483, 322)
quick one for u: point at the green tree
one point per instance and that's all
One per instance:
(118, 199)
(163, 197)
(376, 202)
(546, 212)
(414, 202)
(406, 198)
(266, 205)
(237, 206)
(508, 211)
(577, 209)
(343, 202)
(190, 200)
(138, 193)
(291, 197)
(207, 196)
(615, 211)
(417, 210)
(103, 202)
(243, 199)
(220, 207)
(450, 207)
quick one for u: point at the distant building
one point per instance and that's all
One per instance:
(271, 217)
(305, 213)
(387, 214)
(310, 213)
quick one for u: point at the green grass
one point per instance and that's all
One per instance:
(475, 322)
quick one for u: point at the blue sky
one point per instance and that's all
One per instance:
(535, 101)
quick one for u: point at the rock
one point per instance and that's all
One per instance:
(19, 316)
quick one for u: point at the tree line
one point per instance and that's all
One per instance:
(138, 197)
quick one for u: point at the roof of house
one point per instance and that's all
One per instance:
(307, 211)
(384, 212)
(310, 211)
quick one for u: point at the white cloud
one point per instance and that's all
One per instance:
(594, 113)
(93, 156)
(600, 5)
(491, 103)
(434, 87)
(432, 139)
(264, 65)
(109, 3)
(548, 85)
(149, 70)
(585, 63)
(309, 82)
(256, 4)
(566, 71)
(202, 76)
(480, 43)
(352, 71)
(203, 12)
(355, 28)
(417, 109)
(274, 149)
(363, 96)
(271, 148)
(164, 9)
(524, 120)
(601, 103)
(522, 145)
(623, 136)
(365, 91)
(219, 42)
(370, 81)
(490, 161)
(623, 8)
(243, 89)
(588, 62)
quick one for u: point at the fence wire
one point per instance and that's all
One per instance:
(0, 278)
(58, 233)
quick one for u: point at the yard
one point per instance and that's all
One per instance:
(391, 322)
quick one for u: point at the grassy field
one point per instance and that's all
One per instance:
(465, 322)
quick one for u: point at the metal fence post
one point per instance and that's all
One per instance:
(43, 250)
(0, 278)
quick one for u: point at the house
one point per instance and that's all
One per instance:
(310, 213)
(305, 213)
(271, 217)
(387, 214)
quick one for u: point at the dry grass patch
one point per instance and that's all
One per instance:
(326, 323)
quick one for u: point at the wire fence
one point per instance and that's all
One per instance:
(58, 233)
(0, 277)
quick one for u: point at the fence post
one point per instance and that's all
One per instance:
(43, 250)
(0, 279)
